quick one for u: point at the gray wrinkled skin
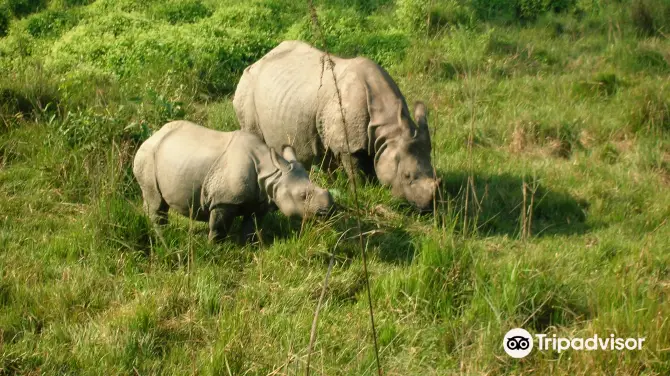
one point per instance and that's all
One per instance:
(216, 176)
(289, 97)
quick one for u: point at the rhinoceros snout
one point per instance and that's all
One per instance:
(327, 206)
(319, 204)
(422, 193)
(326, 212)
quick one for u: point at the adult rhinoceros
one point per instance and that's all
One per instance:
(289, 97)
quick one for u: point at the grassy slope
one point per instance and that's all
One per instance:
(575, 105)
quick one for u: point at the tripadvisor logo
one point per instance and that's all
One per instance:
(518, 343)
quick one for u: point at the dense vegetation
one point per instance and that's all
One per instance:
(552, 136)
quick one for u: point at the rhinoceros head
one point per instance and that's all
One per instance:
(294, 194)
(402, 157)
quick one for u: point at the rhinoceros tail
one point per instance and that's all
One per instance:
(144, 163)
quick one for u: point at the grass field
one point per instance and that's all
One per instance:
(551, 127)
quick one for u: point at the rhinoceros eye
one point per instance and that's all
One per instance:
(303, 195)
(406, 175)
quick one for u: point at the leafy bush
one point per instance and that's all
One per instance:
(449, 14)
(182, 11)
(264, 16)
(433, 16)
(207, 53)
(87, 129)
(22, 8)
(363, 6)
(412, 14)
(74, 3)
(524, 10)
(13, 102)
(158, 109)
(50, 23)
(86, 84)
(426, 16)
(27, 96)
(349, 34)
(5, 17)
(228, 55)
(339, 27)
(102, 6)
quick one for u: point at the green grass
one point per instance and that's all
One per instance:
(569, 97)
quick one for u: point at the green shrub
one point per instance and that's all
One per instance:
(264, 16)
(162, 109)
(14, 102)
(363, 6)
(385, 48)
(222, 67)
(75, 3)
(412, 14)
(86, 85)
(5, 17)
(50, 23)
(27, 96)
(433, 16)
(349, 34)
(339, 27)
(131, 6)
(176, 12)
(519, 10)
(448, 14)
(205, 54)
(88, 129)
(22, 8)
(68, 4)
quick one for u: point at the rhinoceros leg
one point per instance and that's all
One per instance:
(220, 219)
(155, 207)
(249, 224)
(358, 166)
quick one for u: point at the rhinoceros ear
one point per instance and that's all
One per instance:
(399, 110)
(275, 161)
(420, 115)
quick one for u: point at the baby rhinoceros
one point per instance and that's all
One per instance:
(215, 176)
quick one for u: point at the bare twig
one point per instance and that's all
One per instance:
(331, 64)
(312, 334)
(524, 226)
